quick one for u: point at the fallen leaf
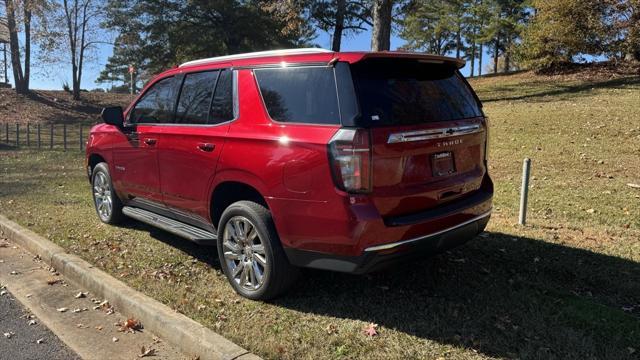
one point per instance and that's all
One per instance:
(32, 322)
(53, 281)
(39, 341)
(8, 335)
(146, 352)
(591, 211)
(2, 293)
(635, 186)
(130, 325)
(99, 327)
(114, 339)
(62, 309)
(14, 273)
(332, 329)
(371, 330)
(80, 295)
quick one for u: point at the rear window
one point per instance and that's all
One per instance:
(300, 95)
(409, 92)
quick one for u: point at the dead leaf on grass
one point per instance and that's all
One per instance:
(332, 329)
(81, 295)
(62, 309)
(371, 330)
(39, 341)
(9, 334)
(635, 186)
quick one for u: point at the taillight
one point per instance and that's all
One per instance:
(350, 156)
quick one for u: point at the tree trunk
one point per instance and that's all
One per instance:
(473, 57)
(496, 54)
(458, 41)
(27, 43)
(16, 65)
(480, 56)
(381, 35)
(507, 55)
(337, 32)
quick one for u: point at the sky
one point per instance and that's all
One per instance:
(52, 78)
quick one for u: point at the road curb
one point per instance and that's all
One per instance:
(180, 331)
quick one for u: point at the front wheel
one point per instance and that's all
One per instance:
(250, 252)
(108, 205)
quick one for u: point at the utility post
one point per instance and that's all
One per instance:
(132, 71)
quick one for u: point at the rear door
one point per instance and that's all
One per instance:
(427, 131)
(190, 148)
(135, 172)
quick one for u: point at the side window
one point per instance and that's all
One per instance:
(156, 105)
(222, 104)
(302, 95)
(195, 97)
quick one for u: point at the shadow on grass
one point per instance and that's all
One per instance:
(556, 92)
(502, 296)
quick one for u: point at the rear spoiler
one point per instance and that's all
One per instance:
(422, 57)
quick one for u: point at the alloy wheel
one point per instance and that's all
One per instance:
(102, 195)
(244, 253)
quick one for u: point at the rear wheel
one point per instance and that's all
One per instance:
(250, 252)
(108, 205)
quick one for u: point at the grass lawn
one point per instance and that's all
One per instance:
(565, 286)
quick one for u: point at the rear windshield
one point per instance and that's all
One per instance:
(409, 92)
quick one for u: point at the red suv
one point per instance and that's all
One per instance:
(300, 158)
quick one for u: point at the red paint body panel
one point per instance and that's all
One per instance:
(288, 164)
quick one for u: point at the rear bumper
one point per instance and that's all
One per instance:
(380, 256)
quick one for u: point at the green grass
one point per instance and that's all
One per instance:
(565, 286)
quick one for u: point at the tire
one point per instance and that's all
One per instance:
(250, 252)
(106, 202)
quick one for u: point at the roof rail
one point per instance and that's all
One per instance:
(257, 54)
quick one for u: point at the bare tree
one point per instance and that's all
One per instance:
(80, 17)
(381, 36)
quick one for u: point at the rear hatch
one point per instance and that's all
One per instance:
(428, 133)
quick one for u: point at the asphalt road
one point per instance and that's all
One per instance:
(23, 343)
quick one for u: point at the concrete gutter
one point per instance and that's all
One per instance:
(180, 331)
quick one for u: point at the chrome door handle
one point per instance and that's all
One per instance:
(150, 142)
(208, 147)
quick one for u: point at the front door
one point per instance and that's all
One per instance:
(188, 151)
(135, 156)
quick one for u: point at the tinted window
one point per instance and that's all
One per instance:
(303, 95)
(222, 105)
(408, 92)
(195, 97)
(156, 105)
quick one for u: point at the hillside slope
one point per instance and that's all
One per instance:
(55, 106)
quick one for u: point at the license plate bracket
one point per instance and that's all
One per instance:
(442, 164)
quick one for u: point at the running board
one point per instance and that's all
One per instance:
(175, 227)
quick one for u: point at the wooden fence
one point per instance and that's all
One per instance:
(44, 136)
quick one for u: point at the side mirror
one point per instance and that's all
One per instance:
(113, 116)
